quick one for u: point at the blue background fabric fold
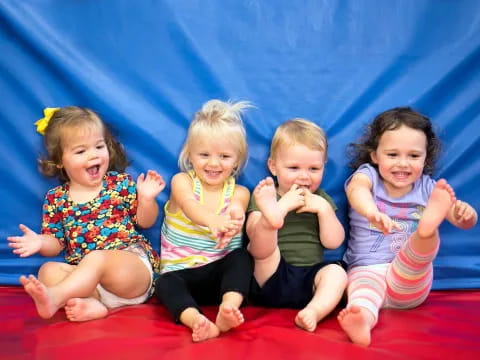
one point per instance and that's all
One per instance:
(147, 66)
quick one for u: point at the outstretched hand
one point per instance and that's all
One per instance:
(149, 186)
(28, 244)
(383, 222)
(234, 226)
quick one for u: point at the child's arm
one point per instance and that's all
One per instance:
(360, 198)
(182, 197)
(331, 232)
(462, 215)
(148, 187)
(31, 243)
(236, 210)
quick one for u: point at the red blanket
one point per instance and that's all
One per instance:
(446, 326)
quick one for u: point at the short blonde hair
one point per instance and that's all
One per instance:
(218, 120)
(299, 131)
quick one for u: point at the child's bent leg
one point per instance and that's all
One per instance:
(173, 292)
(266, 198)
(263, 244)
(426, 239)
(237, 269)
(410, 275)
(366, 294)
(330, 283)
(120, 272)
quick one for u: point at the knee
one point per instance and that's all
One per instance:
(336, 274)
(48, 268)
(52, 271)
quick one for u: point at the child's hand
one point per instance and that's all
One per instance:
(148, 187)
(28, 244)
(383, 222)
(292, 199)
(314, 204)
(237, 217)
(464, 213)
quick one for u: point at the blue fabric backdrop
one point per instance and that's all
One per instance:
(147, 66)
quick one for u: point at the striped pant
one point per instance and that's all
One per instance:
(402, 284)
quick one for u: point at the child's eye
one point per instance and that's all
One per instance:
(225, 156)
(292, 167)
(78, 152)
(99, 147)
(314, 169)
(391, 154)
(203, 154)
(415, 156)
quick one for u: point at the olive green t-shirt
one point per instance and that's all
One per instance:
(298, 239)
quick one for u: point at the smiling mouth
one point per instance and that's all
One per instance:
(401, 174)
(93, 170)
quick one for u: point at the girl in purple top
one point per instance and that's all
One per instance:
(395, 212)
(92, 217)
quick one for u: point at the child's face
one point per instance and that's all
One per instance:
(213, 160)
(400, 157)
(297, 164)
(85, 156)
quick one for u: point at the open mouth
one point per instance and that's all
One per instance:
(93, 170)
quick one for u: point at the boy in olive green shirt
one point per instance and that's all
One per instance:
(289, 224)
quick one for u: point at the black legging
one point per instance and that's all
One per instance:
(205, 285)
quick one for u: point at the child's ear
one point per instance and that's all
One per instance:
(271, 166)
(373, 156)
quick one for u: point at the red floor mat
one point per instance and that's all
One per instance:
(446, 326)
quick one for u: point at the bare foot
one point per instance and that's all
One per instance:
(441, 200)
(46, 306)
(204, 329)
(357, 324)
(266, 199)
(228, 317)
(306, 319)
(84, 309)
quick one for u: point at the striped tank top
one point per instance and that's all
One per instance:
(187, 245)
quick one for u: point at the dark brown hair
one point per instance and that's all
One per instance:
(392, 120)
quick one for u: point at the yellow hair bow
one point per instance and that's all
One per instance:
(43, 122)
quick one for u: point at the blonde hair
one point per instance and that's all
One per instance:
(218, 120)
(65, 121)
(299, 131)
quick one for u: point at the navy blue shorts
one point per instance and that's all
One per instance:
(289, 287)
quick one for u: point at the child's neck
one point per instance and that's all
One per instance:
(212, 197)
(396, 193)
(80, 194)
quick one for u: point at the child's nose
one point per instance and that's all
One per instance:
(92, 154)
(303, 174)
(213, 160)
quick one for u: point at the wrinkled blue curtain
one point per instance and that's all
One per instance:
(147, 66)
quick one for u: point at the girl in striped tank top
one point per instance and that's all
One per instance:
(202, 258)
(396, 209)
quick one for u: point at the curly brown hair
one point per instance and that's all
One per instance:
(390, 120)
(71, 118)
